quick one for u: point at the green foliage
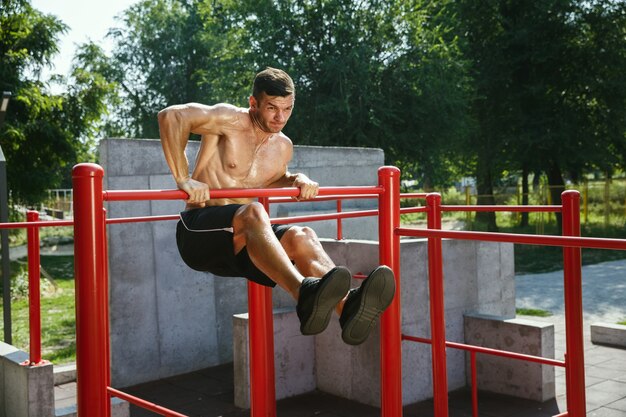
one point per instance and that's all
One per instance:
(43, 134)
(372, 73)
(550, 93)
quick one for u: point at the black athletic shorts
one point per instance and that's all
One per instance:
(205, 241)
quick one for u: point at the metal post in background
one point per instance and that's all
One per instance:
(4, 218)
(437, 308)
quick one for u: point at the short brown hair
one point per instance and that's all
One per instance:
(273, 82)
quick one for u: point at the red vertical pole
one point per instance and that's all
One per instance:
(437, 308)
(572, 275)
(339, 225)
(261, 348)
(105, 304)
(34, 292)
(391, 320)
(89, 273)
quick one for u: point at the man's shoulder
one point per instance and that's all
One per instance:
(230, 114)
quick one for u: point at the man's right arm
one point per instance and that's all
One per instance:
(176, 123)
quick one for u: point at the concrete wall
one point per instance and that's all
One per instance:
(167, 319)
(478, 277)
(25, 391)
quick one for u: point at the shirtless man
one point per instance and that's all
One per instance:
(245, 148)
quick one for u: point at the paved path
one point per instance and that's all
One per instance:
(17, 252)
(604, 291)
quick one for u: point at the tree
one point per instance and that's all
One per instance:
(369, 73)
(541, 71)
(170, 52)
(42, 132)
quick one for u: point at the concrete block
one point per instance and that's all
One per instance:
(351, 372)
(294, 357)
(25, 391)
(495, 273)
(513, 377)
(609, 334)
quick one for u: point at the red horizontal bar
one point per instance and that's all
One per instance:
(275, 200)
(48, 223)
(516, 209)
(405, 210)
(142, 219)
(489, 351)
(413, 195)
(143, 403)
(566, 241)
(132, 195)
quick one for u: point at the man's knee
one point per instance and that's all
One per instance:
(299, 237)
(250, 216)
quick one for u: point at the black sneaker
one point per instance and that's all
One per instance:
(318, 298)
(365, 304)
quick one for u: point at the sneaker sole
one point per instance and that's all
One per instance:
(378, 293)
(331, 291)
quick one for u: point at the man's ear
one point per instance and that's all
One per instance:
(252, 101)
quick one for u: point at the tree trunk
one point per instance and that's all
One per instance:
(557, 186)
(484, 189)
(525, 192)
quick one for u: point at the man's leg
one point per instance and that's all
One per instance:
(252, 229)
(305, 250)
(316, 297)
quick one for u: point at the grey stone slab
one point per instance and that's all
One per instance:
(294, 359)
(230, 297)
(186, 310)
(495, 274)
(609, 334)
(127, 157)
(127, 208)
(507, 376)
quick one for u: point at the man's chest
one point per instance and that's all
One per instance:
(252, 166)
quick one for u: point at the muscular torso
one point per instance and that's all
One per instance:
(237, 158)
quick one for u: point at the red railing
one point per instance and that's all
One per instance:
(91, 276)
(93, 385)
(571, 243)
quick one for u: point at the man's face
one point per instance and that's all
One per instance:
(272, 112)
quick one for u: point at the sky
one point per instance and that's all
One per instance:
(86, 20)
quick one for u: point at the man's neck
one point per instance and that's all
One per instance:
(260, 134)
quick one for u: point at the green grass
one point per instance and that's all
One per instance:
(532, 312)
(58, 323)
(623, 322)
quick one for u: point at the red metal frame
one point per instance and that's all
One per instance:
(91, 274)
(571, 243)
(91, 281)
